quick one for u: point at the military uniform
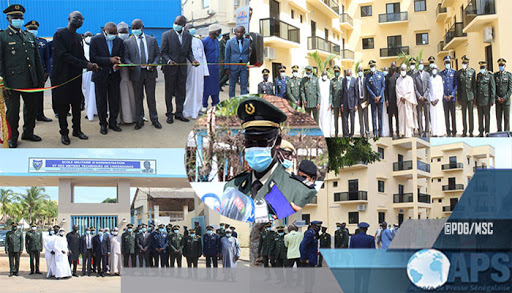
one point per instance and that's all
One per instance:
(211, 247)
(335, 99)
(222, 53)
(503, 80)
(466, 80)
(159, 245)
(264, 247)
(375, 84)
(128, 247)
(265, 87)
(485, 96)
(361, 239)
(340, 237)
(34, 246)
(221, 232)
(14, 247)
(21, 68)
(412, 72)
(176, 247)
(280, 84)
(325, 242)
(310, 94)
(309, 246)
(293, 86)
(432, 61)
(279, 250)
(449, 77)
(192, 249)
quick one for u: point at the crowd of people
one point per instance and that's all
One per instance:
(109, 250)
(111, 73)
(407, 100)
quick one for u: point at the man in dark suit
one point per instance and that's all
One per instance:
(143, 49)
(422, 88)
(176, 50)
(143, 241)
(106, 50)
(73, 239)
(391, 98)
(237, 51)
(349, 101)
(364, 128)
(101, 248)
(86, 250)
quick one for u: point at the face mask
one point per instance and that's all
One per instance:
(434, 72)
(177, 27)
(137, 32)
(176, 231)
(360, 74)
(61, 233)
(209, 232)
(448, 65)
(295, 74)
(149, 229)
(106, 232)
(283, 75)
(464, 66)
(421, 67)
(287, 164)
(162, 230)
(87, 232)
(114, 233)
(385, 73)
(52, 232)
(482, 70)
(14, 228)
(192, 235)
(269, 228)
(130, 230)
(228, 235)
(88, 40)
(100, 233)
(403, 73)
(17, 23)
(265, 78)
(34, 32)
(373, 69)
(324, 77)
(336, 74)
(431, 65)
(144, 229)
(192, 31)
(502, 68)
(123, 36)
(259, 158)
(111, 37)
(169, 230)
(33, 228)
(338, 228)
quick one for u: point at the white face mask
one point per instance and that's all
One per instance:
(413, 67)
(123, 36)
(33, 228)
(61, 233)
(88, 40)
(324, 77)
(434, 72)
(295, 74)
(403, 73)
(283, 75)
(464, 66)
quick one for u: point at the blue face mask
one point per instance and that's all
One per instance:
(373, 69)
(258, 158)
(209, 232)
(336, 73)
(269, 228)
(137, 32)
(338, 228)
(110, 37)
(106, 233)
(130, 230)
(17, 23)
(144, 229)
(100, 233)
(448, 65)
(431, 65)
(502, 68)
(421, 66)
(385, 73)
(228, 235)
(360, 74)
(281, 233)
(87, 232)
(149, 229)
(482, 71)
(52, 232)
(192, 235)
(177, 27)
(192, 31)
(287, 164)
(162, 230)
(34, 32)
(176, 231)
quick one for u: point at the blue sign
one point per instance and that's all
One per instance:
(44, 165)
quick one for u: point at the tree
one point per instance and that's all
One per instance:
(322, 64)
(344, 152)
(32, 199)
(6, 197)
(109, 200)
(404, 58)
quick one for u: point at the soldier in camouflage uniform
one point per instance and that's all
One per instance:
(466, 80)
(485, 96)
(14, 247)
(325, 242)
(175, 241)
(265, 244)
(341, 236)
(310, 93)
(192, 248)
(34, 246)
(503, 80)
(335, 97)
(128, 246)
(293, 85)
(279, 249)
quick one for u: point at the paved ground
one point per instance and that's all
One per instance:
(170, 136)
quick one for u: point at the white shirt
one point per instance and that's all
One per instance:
(88, 241)
(180, 36)
(142, 38)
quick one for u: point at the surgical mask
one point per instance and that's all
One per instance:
(17, 23)
(169, 230)
(403, 73)
(130, 230)
(373, 69)
(34, 32)
(87, 232)
(385, 73)
(295, 74)
(434, 72)
(176, 231)
(209, 232)
(338, 228)
(88, 40)
(265, 78)
(228, 235)
(110, 37)
(162, 230)
(360, 74)
(114, 233)
(336, 73)
(33, 228)
(502, 68)
(149, 229)
(269, 228)
(61, 233)
(192, 235)
(464, 66)
(448, 65)
(283, 75)
(106, 232)
(421, 66)
(177, 27)
(281, 233)
(192, 31)
(324, 77)
(100, 233)
(482, 71)
(52, 232)
(287, 164)
(14, 228)
(431, 65)
(308, 74)
(137, 32)
(259, 158)
(412, 67)
(144, 229)
(123, 36)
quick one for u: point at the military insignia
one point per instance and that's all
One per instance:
(249, 108)
(12, 43)
(33, 22)
(17, 7)
(13, 52)
(244, 184)
(37, 164)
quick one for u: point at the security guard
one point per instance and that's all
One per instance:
(280, 83)
(21, 68)
(293, 85)
(325, 242)
(335, 97)
(310, 93)
(449, 77)
(341, 236)
(34, 246)
(432, 62)
(278, 249)
(14, 247)
(44, 52)
(309, 245)
(211, 247)
(375, 85)
(265, 244)
(466, 80)
(128, 246)
(361, 239)
(159, 245)
(192, 248)
(261, 125)
(176, 246)
(411, 71)
(485, 96)
(503, 80)
(265, 87)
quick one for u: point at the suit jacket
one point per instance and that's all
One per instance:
(361, 87)
(103, 247)
(173, 50)
(233, 54)
(132, 56)
(99, 53)
(350, 96)
(143, 243)
(422, 85)
(391, 92)
(83, 243)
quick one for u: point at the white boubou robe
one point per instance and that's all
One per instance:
(437, 111)
(62, 268)
(48, 242)
(195, 81)
(407, 115)
(115, 254)
(325, 114)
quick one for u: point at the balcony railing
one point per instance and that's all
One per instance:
(271, 27)
(452, 166)
(350, 196)
(393, 17)
(441, 9)
(479, 167)
(448, 209)
(456, 31)
(333, 5)
(347, 54)
(422, 166)
(453, 187)
(317, 43)
(394, 51)
(478, 7)
(345, 18)
(314, 200)
(403, 197)
(424, 198)
(407, 165)
(440, 46)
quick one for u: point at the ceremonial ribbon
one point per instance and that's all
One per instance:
(180, 64)
(42, 89)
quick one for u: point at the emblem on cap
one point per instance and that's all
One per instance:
(249, 108)
(17, 7)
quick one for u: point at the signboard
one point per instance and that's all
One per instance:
(111, 166)
(301, 223)
(242, 17)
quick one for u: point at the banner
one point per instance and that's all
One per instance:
(45, 165)
(242, 17)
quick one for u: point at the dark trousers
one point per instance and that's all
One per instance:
(63, 110)
(293, 261)
(210, 259)
(144, 259)
(192, 261)
(449, 111)
(280, 263)
(377, 118)
(484, 116)
(129, 260)
(215, 100)
(14, 262)
(348, 114)
(423, 117)
(266, 259)
(503, 113)
(467, 114)
(40, 104)
(74, 263)
(29, 113)
(223, 76)
(336, 114)
(390, 121)
(107, 93)
(148, 84)
(86, 261)
(102, 262)
(315, 113)
(175, 86)
(364, 125)
(177, 258)
(159, 258)
(34, 260)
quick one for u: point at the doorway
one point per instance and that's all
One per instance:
(488, 58)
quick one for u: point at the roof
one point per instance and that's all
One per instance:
(165, 193)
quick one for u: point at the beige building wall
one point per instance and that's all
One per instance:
(202, 13)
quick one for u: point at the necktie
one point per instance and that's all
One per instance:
(256, 185)
(109, 43)
(101, 238)
(142, 50)
(240, 45)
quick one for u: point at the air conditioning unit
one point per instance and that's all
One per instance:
(270, 53)
(488, 35)
(361, 207)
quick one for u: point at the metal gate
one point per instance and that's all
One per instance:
(93, 221)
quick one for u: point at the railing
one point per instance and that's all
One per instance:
(440, 46)
(317, 43)
(455, 31)
(422, 166)
(479, 168)
(346, 18)
(440, 9)
(333, 5)
(478, 7)
(350, 196)
(453, 187)
(448, 209)
(452, 166)
(424, 198)
(392, 17)
(347, 54)
(403, 197)
(271, 27)
(314, 200)
(407, 165)
(394, 51)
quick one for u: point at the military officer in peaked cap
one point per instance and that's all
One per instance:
(280, 83)
(466, 79)
(449, 77)
(293, 85)
(265, 87)
(361, 239)
(411, 71)
(21, 68)
(14, 247)
(309, 245)
(310, 93)
(34, 246)
(335, 98)
(375, 84)
(431, 63)
(265, 244)
(485, 96)
(503, 80)
(261, 127)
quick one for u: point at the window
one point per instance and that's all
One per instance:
(206, 3)
(292, 14)
(438, 179)
(439, 159)
(382, 217)
(453, 159)
(368, 43)
(335, 184)
(394, 41)
(381, 153)
(366, 10)
(440, 201)
(468, 161)
(420, 5)
(353, 217)
(422, 39)
(337, 196)
(381, 185)
(306, 218)
(301, 18)
(392, 8)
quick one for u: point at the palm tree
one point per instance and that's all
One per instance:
(404, 58)
(322, 64)
(6, 196)
(15, 211)
(32, 199)
(47, 211)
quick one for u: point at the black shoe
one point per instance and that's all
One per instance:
(64, 138)
(97, 275)
(10, 275)
(471, 135)
(16, 274)
(157, 125)
(69, 114)
(75, 275)
(103, 129)
(464, 135)
(31, 273)
(13, 144)
(80, 135)
(116, 128)
(170, 120)
(39, 273)
(33, 137)
(181, 118)
(139, 125)
(44, 119)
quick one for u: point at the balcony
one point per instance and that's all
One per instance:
(393, 52)
(448, 209)
(455, 36)
(280, 33)
(398, 17)
(314, 200)
(424, 198)
(323, 46)
(479, 14)
(441, 13)
(402, 169)
(453, 188)
(346, 22)
(482, 167)
(452, 167)
(347, 54)
(447, 3)
(422, 166)
(328, 7)
(359, 165)
(403, 197)
(440, 48)
(351, 197)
